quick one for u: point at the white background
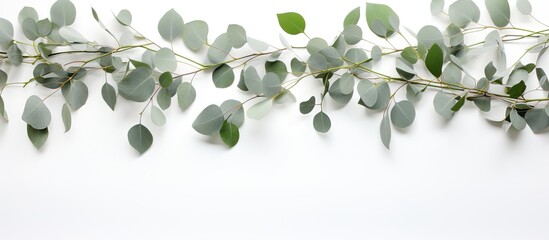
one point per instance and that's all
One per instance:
(462, 179)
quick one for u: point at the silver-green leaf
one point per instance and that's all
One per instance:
(236, 35)
(36, 113)
(6, 33)
(260, 109)
(138, 86)
(37, 136)
(321, 122)
(385, 131)
(403, 114)
(186, 94)
(75, 93)
(109, 95)
(170, 25)
(209, 121)
(223, 76)
(499, 11)
(140, 138)
(63, 13)
(443, 103)
(66, 116)
(165, 60)
(157, 116)
(195, 35)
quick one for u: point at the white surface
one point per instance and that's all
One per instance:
(463, 179)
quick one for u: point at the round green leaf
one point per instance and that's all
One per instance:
(443, 103)
(37, 136)
(409, 54)
(277, 67)
(234, 113)
(165, 79)
(352, 17)
(44, 27)
(260, 109)
(223, 76)
(352, 34)
(322, 122)
(291, 22)
(66, 116)
(316, 44)
(6, 33)
(140, 138)
(383, 96)
(270, 84)
(229, 134)
(170, 25)
(455, 34)
(368, 92)
(307, 106)
(186, 94)
(30, 29)
(36, 113)
(429, 35)
(252, 80)
(437, 6)
(462, 12)
(27, 13)
(109, 95)
(157, 116)
(236, 35)
(219, 49)
(337, 95)
(537, 120)
(452, 74)
(75, 93)
(63, 13)
(381, 19)
(524, 7)
(138, 86)
(347, 83)
(298, 67)
(403, 114)
(195, 35)
(209, 121)
(164, 98)
(516, 120)
(165, 60)
(499, 12)
(124, 17)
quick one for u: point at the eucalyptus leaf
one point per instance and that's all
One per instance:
(517, 90)
(452, 74)
(66, 116)
(291, 22)
(499, 12)
(37, 136)
(109, 95)
(443, 103)
(138, 85)
(219, 49)
(44, 27)
(252, 80)
(524, 7)
(257, 45)
(385, 131)
(437, 6)
(30, 29)
(223, 76)
(271, 85)
(140, 138)
(209, 121)
(316, 44)
(537, 120)
(164, 98)
(353, 34)
(337, 95)
(430, 35)
(403, 114)
(516, 120)
(352, 17)
(307, 106)
(434, 60)
(124, 17)
(234, 113)
(195, 35)
(165, 79)
(75, 93)
(15, 56)
(3, 112)
(455, 34)
(157, 116)
(170, 25)
(378, 18)
(71, 35)
(409, 54)
(483, 103)
(63, 13)
(321, 122)
(376, 53)
(186, 94)
(237, 35)
(260, 109)
(36, 113)
(165, 60)
(277, 67)
(347, 83)
(229, 134)
(463, 12)
(298, 67)
(27, 13)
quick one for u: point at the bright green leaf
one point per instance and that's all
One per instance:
(291, 22)
(434, 60)
(517, 90)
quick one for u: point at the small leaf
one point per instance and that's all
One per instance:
(462, 12)
(459, 104)
(347, 83)
(291, 22)
(219, 49)
(368, 92)
(30, 29)
(195, 35)
(483, 103)
(252, 80)
(270, 85)
(524, 7)
(430, 35)
(164, 98)
(540, 73)
(517, 90)
(75, 93)
(66, 116)
(260, 109)
(352, 34)
(109, 95)
(378, 17)
(63, 13)
(71, 35)
(170, 25)
(165, 60)
(236, 35)
(37, 136)
(434, 60)
(234, 113)
(437, 6)
(490, 71)
(321, 122)
(27, 13)
(138, 86)
(36, 113)
(277, 67)
(140, 138)
(403, 114)
(257, 45)
(537, 120)
(452, 74)
(157, 116)
(15, 56)
(229, 134)
(352, 17)
(223, 76)
(44, 27)
(165, 79)
(409, 54)
(385, 130)
(337, 95)
(307, 106)
(376, 53)
(443, 103)
(124, 17)
(516, 120)
(209, 121)
(186, 94)
(499, 12)
(6, 33)
(298, 67)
